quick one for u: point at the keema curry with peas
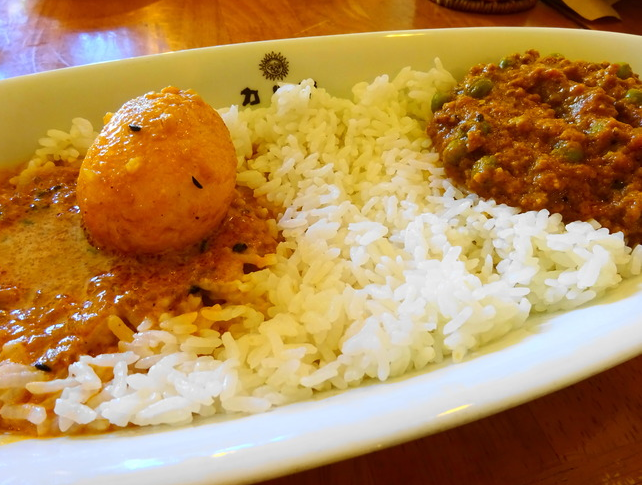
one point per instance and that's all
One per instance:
(549, 133)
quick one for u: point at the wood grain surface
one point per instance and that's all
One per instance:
(589, 433)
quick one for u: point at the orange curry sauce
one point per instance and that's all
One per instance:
(57, 291)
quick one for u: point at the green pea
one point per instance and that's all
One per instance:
(574, 155)
(438, 100)
(624, 70)
(480, 88)
(454, 152)
(506, 63)
(484, 127)
(484, 163)
(596, 127)
(633, 96)
(570, 151)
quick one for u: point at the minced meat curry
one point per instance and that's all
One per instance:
(547, 133)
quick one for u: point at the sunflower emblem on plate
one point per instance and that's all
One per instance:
(274, 66)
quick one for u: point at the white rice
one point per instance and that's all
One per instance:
(385, 268)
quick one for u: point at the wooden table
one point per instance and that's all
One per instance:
(589, 433)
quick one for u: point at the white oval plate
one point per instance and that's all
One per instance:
(553, 352)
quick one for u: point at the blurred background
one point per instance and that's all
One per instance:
(40, 35)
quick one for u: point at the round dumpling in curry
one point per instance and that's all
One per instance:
(159, 177)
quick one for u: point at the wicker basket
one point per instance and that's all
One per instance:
(487, 6)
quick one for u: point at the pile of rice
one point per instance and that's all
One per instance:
(385, 268)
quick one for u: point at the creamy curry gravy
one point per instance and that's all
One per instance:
(56, 290)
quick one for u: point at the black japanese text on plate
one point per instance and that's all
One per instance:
(274, 67)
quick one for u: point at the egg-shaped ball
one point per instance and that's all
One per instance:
(159, 177)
